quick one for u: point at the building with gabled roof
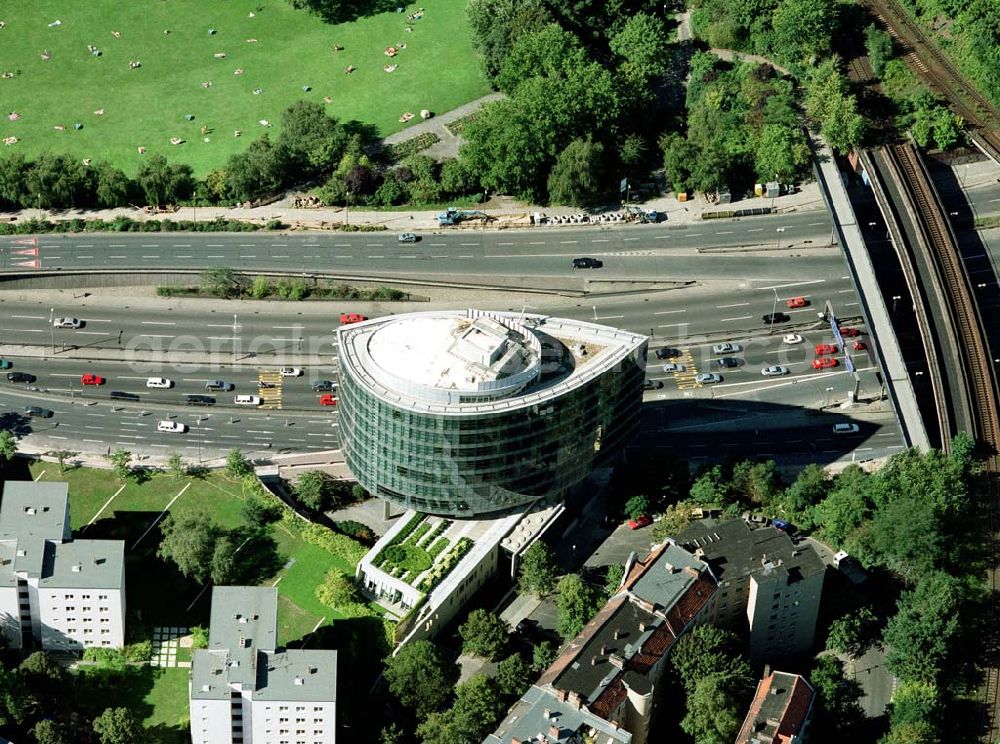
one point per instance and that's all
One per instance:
(65, 594)
(611, 669)
(780, 711)
(243, 688)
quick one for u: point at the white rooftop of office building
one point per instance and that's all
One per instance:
(451, 352)
(475, 361)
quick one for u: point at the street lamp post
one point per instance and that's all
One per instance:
(196, 207)
(828, 391)
(347, 219)
(52, 329)
(234, 338)
(779, 231)
(774, 309)
(895, 300)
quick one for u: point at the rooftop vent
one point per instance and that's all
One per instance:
(77, 568)
(30, 510)
(206, 688)
(299, 681)
(21, 553)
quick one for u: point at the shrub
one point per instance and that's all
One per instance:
(199, 637)
(340, 545)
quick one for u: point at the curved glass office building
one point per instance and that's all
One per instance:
(469, 412)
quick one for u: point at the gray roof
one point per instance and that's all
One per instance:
(241, 651)
(32, 513)
(661, 587)
(539, 710)
(297, 675)
(734, 550)
(8, 551)
(84, 564)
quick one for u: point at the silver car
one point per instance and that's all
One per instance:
(73, 323)
(776, 371)
(726, 348)
(707, 378)
(674, 367)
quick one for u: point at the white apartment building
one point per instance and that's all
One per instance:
(244, 689)
(63, 593)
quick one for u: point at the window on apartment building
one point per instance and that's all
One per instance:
(283, 707)
(71, 609)
(102, 596)
(105, 631)
(103, 609)
(70, 596)
(70, 630)
(300, 707)
(88, 631)
(105, 643)
(84, 596)
(318, 708)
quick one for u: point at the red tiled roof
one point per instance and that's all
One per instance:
(658, 643)
(644, 564)
(793, 715)
(609, 700)
(691, 602)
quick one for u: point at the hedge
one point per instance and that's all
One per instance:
(445, 566)
(400, 536)
(340, 545)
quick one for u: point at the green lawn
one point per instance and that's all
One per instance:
(156, 593)
(147, 106)
(168, 698)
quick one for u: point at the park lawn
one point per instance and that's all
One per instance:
(147, 106)
(168, 699)
(156, 592)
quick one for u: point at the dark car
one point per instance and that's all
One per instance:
(587, 263)
(324, 386)
(20, 377)
(652, 385)
(219, 385)
(727, 362)
(775, 318)
(123, 396)
(199, 400)
(38, 412)
(667, 353)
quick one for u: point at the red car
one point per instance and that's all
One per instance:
(634, 524)
(859, 346)
(850, 332)
(90, 379)
(797, 302)
(824, 362)
(822, 349)
(328, 400)
(347, 318)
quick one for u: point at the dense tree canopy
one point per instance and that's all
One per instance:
(421, 678)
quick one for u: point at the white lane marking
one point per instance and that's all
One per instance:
(407, 256)
(463, 256)
(215, 256)
(794, 284)
(373, 245)
(851, 304)
(600, 241)
(182, 245)
(470, 245)
(150, 245)
(112, 257)
(844, 291)
(568, 242)
(741, 317)
(282, 256)
(84, 256)
(150, 256)
(249, 256)
(669, 312)
(628, 240)
(157, 322)
(671, 325)
(505, 244)
(91, 333)
(217, 325)
(816, 224)
(695, 235)
(757, 229)
(726, 232)
(215, 245)
(154, 335)
(180, 256)
(29, 317)
(610, 317)
(376, 257)
(737, 304)
(343, 256)
(283, 328)
(24, 330)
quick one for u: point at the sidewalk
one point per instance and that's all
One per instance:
(808, 197)
(448, 144)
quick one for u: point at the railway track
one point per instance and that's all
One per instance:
(982, 390)
(927, 60)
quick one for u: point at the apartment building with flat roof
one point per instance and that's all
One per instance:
(64, 594)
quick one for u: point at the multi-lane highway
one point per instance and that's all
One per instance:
(726, 274)
(654, 251)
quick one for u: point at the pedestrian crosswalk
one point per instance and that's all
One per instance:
(269, 388)
(686, 379)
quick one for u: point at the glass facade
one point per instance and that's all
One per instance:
(470, 463)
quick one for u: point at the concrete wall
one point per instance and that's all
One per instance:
(210, 722)
(10, 616)
(99, 611)
(317, 720)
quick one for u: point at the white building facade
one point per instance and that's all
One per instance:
(244, 689)
(65, 594)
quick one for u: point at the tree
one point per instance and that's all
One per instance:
(392, 733)
(921, 633)
(710, 651)
(613, 579)
(475, 713)
(643, 49)
(483, 634)
(781, 152)
(549, 52)
(636, 507)
(420, 677)
(176, 466)
(237, 466)
(543, 655)
(121, 464)
(802, 29)
(537, 570)
(49, 732)
(259, 171)
(497, 24)
(712, 712)
(577, 603)
(223, 568)
(163, 183)
(8, 445)
(514, 676)
(798, 501)
(337, 590)
(61, 457)
(118, 726)
(676, 518)
(112, 187)
(837, 708)
(189, 540)
(312, 139)
(914, 702)
(854, 633)
(315, 489)
(258, 511)
(758, 482)
(878, 46)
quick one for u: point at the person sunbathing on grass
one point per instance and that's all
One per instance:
(350, 69)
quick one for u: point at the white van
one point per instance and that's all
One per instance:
(845, 429)
(158, 382)
(247, 400)
(172, 427)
